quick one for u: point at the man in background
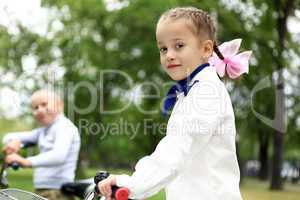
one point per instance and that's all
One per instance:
(58, 141)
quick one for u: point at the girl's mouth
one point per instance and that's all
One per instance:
(173, 66)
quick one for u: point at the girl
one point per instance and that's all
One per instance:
(197, 157)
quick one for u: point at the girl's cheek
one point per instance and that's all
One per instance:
(161, 62)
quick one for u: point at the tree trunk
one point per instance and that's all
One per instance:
(277, 183)
(263, 156)
(240, 162)
(284, 9)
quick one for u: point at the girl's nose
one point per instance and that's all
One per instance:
(170, 55)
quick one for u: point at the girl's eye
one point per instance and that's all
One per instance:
(178, 46)
(163, 49)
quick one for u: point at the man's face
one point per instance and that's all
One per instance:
(45, 107)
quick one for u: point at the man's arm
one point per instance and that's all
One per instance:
(14, 141)
(57, 155)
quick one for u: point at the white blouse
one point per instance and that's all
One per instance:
(197, 157)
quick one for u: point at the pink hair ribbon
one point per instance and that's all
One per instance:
(234, 64)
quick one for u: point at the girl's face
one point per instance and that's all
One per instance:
(181, 50)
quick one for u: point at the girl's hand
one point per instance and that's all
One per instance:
(12, 147)
(105, 186)
(9, 159)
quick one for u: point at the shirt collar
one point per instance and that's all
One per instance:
(184, 86)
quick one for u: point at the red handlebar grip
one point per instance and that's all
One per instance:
(122, 194)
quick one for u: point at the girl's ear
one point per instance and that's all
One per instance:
(208, 48)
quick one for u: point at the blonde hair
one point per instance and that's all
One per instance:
(203, 24)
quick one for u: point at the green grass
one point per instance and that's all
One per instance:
(255, 190)
(13, 125)
(251, 189)
(21, 179)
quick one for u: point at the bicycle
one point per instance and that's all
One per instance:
(85, 190)
(89, 191)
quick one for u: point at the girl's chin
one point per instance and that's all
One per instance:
(177, 77)
(177, 74)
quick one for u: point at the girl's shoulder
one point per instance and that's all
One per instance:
(207, 82)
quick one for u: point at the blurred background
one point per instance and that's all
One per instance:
(101, 55)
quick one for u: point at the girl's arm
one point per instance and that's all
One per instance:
(156, 171)
(153, 172)
(189, 131)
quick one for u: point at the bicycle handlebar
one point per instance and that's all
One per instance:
(117, 192)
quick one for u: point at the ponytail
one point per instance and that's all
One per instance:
(218, 52)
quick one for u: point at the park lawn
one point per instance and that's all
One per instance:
(251, 188)
(256, 190)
